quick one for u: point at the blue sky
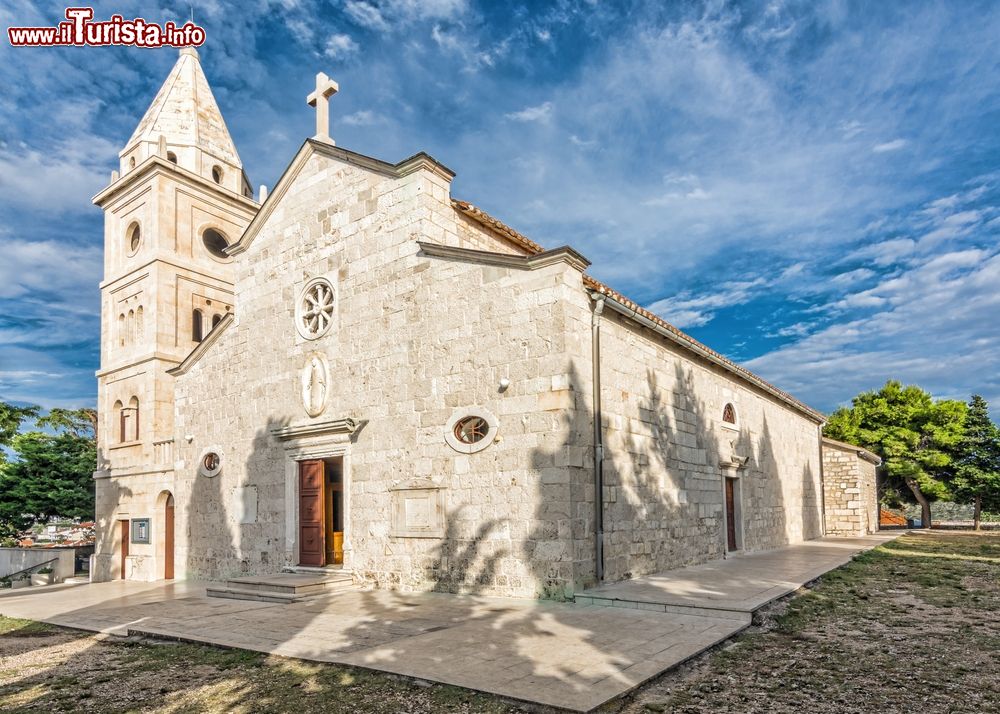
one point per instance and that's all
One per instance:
(812, 188)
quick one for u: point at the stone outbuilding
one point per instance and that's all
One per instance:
(850, 490)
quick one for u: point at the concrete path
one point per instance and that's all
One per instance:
(574, 656)
(741, 583)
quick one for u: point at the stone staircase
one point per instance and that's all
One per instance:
(288, 587)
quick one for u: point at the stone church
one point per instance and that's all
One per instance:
(360, 371)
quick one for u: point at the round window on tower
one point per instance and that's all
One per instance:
(215, 243)
(133, 238)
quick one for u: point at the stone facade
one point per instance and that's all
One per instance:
(849, 489)
(438, 312)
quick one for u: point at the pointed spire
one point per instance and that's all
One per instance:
(185, 113)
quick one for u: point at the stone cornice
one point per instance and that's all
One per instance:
(154, 357)
(210, 339)
(329, 427)
(861, 452)
(565, 254)
(155, 164)
(417, 162)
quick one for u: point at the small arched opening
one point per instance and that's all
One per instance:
(165, 535)
(196, 325)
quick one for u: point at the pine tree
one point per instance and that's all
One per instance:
(977, 464)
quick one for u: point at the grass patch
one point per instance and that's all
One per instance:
(910, 625)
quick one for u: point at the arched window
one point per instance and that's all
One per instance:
(216, 319)
(215, 243)
(119, 412)
(196, 326)
(121, 330)
(131, 162)
(130, 326)
(171, 157)
(138, 323)
(729, 414)
(133, 405)
(217, 174)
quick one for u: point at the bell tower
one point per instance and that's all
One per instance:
(179, 198)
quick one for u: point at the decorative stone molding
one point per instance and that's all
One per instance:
(451, 436)
(315, 308)
(344, 426)
(315, 381)
(417, 509)
(731, 459)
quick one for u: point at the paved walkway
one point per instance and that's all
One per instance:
(574, 656)
(741, 583)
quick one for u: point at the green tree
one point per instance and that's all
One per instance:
(977, 461)
(915, 435)
(49, 474)
(11, 418)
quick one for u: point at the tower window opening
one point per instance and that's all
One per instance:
(196, 326)
(215, 242)
(171, 157)
(217, 174)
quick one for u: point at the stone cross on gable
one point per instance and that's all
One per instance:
(320, 98)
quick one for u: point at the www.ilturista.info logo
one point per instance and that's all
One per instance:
(79, 30)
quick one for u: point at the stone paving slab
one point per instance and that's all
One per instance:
(740, 583)
(573, 656)
(560, 654)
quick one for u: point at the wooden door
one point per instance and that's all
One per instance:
(731, 513)
(124, 549)
(312, 525)
(168, 539)
(334, 518)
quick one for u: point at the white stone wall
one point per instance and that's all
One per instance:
(415, 338)
(664, 442)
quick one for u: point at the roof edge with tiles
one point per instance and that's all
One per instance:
(642, 315)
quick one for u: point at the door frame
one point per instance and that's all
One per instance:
(124, 534)
(300, 451)
(737, 482)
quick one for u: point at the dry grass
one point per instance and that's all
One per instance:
(910, 626)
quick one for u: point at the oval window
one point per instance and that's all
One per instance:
(210, 463)
(215, 243)
(134, 235)
(217, 174)
(471, 429)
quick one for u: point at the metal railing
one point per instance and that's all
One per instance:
(11, 578)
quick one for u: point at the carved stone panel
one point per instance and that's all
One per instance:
(417, 509)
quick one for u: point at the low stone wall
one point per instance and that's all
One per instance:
(850, 499)
(13, 560)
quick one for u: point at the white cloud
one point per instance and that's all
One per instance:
(693, 311)
(541, 113)
(894, 145)
(364, 117)
(366, 15)
(927, 328)
(340, 46)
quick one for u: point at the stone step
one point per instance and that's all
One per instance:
(281, 587)
(256, 595)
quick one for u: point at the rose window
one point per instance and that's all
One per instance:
(314, 312)
(471, 430)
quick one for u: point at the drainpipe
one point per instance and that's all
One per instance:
(595, 328)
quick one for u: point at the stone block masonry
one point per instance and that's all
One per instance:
(849, 489)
